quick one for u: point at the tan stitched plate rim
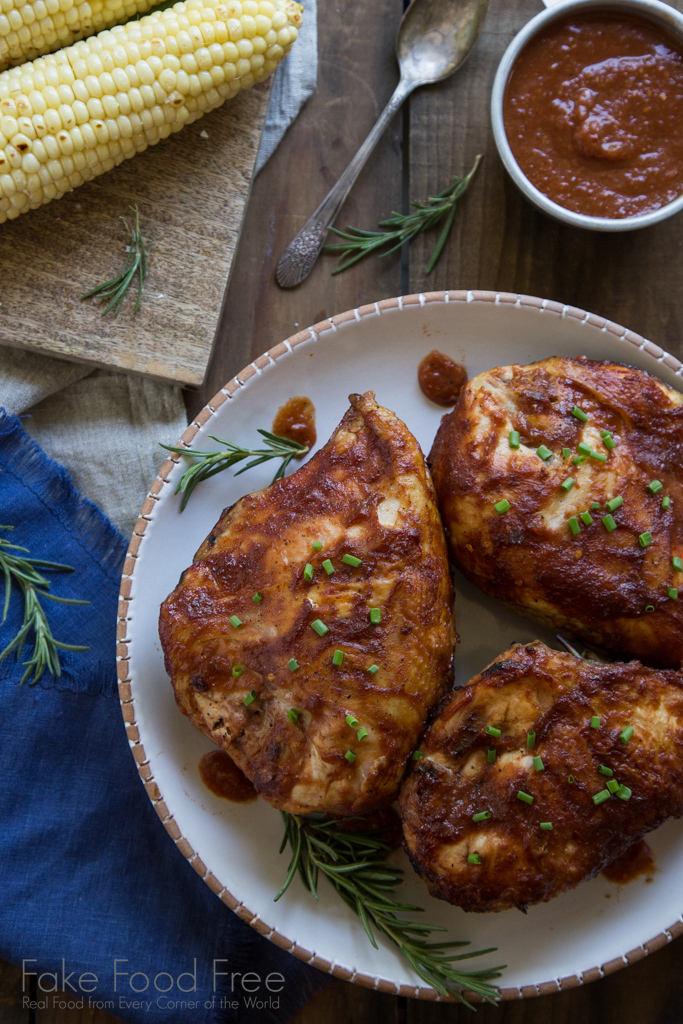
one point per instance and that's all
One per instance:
(123, 638)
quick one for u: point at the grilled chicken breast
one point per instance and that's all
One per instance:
(315, 669)
(591, 539)
(593, 727)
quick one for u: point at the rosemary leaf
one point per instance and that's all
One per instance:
(207, 464)
(401, 228)
(355, 865)
(135, 266)
(22, 571)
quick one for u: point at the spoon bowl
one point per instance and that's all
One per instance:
(434, 38)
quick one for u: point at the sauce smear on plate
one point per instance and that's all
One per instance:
(593, 112)
(637, 860)
(295, 420)
(441, 380)
(220, 774)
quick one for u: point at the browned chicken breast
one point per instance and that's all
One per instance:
(539, 773)
(561, 491)
(315, 629)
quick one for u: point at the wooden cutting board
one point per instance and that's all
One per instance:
(191, 190)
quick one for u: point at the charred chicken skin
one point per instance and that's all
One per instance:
(320, 689)
(541, 772)
(561, 492)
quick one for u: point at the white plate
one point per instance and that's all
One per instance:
(595, 929)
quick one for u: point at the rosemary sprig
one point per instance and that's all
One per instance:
(402, 227)
(135, 265)
(23, 571)
(356, 866)
(210, 463)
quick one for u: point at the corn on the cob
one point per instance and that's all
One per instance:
(74, 114)
(29, 28)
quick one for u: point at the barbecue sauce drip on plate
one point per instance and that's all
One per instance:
(441, 380)
(637, 860)
(295, 420)
(220, 774)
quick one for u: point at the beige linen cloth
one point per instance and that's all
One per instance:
(102, 426)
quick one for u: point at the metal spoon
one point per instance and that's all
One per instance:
(434, 38)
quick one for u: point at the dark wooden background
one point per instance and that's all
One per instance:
(499, 242)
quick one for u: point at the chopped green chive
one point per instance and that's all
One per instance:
(609, 442)
(673, 593)
(613, 786)
(257, 597)
(490, 754)
(317, 545)
(502, 506)
(595, 722)
(655, 486)
(352, 560)
(547, 826)
(373, 669)
(337, 657)
(645, 539)
(353, 722)
(626, 735)
(600, 797)
(649, 607)
(573, 525)
(677, 563)
(624, 793)
(473, 858)
(250, 698)
(417, 754)
(375, 616)
(609, 523)
(571, 780)
(604, 770)
(308, 572)
(237, 670)
(586, 518)
(350, 756)
(598, 456)
(666, 502)
(567, 484)
(530, 739)
(362, 733)
(481, 816)
(578, 459)
(583, 448)
(319, 626)
(543, 453)
(595, 504)
(579, 413)
(293, 715)
(234, 621)
(328, 567)
(605, 433)
(513, 440)
(614, 503)
(491, 730)
(292, 664)
(526, 798)
(566, 452)
(538, 764)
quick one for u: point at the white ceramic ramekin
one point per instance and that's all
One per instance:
(661, 15)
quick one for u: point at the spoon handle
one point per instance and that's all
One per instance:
(298, 259)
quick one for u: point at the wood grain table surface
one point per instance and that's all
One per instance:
(499, 242)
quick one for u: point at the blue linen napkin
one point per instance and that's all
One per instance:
(88, 874)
